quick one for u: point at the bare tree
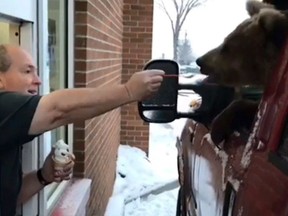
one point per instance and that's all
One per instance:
(182, 8)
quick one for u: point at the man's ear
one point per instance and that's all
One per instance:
(253, 6)
(275, 25)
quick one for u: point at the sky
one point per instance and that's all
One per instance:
(206, 25)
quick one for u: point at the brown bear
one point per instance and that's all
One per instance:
(247, 57)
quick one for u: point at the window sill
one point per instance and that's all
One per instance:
(74, 199)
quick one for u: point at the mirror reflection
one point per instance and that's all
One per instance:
(188, 101)
(159, 116)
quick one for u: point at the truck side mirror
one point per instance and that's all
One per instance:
(162, 107)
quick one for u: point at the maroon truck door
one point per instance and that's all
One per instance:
(264, 190)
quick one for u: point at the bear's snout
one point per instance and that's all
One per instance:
(202, 63)
(199, 62)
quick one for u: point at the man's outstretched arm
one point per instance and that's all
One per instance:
(67, 106)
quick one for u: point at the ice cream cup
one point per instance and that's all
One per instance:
(59, 165)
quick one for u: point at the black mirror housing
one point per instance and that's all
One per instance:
(162, 107)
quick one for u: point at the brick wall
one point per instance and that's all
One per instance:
(137, 50)
(98, 62)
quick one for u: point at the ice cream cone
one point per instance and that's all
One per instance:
(59, 165)
(62, 156)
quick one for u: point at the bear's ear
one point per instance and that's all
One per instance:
(253, 6)
(275, 24)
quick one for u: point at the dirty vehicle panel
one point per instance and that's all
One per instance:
(245, 176)
(202, 179)
(248, 174)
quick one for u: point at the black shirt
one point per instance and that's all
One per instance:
(16, 114)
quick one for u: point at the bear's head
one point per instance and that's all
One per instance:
(251, 52)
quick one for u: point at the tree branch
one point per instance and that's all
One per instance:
(188, 7)
(182, 10)
(181, 7)
(162, 6)
(176, 6)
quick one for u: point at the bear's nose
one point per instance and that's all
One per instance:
(199, 62)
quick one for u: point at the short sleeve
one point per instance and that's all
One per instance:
(16, 114)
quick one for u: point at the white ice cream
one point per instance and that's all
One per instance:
(61, 153)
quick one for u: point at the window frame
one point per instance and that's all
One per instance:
(46, 204)
(27, 35)
(25, 11)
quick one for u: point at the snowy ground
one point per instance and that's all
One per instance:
(138, 175)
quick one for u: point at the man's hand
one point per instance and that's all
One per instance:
(52, 175)
(31, 184)
(143, 84)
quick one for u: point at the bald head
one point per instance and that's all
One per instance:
(5, 59)
(12, 54)
(18, 71)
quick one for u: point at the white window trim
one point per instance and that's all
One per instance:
(28, 42)
(30, 150)
(70, 62)
(28, 35)
(26, 10)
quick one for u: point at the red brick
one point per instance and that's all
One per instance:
(110, 45)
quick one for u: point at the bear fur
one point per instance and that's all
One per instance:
(247, 57)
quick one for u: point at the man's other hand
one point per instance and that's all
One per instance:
(52, 175)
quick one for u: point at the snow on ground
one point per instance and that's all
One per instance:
(138, 175)
(160, 205)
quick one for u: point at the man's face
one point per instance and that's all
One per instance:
(22, 75)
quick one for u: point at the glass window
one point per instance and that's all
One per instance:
(57, 53)
(57, 22)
